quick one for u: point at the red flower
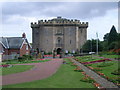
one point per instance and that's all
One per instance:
(6, 65)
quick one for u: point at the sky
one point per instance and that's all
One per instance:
(17, 16)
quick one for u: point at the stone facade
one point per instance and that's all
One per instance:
(59, 33)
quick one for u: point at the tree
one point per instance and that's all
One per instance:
(106, 37)
(110, 39)
(113, 35)
(90, 46)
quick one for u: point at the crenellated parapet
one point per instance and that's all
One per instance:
(59, 21)
(34, 25)
(83, 24)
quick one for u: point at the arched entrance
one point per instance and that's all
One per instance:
(59, 50)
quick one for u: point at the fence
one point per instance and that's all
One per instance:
(8, 57)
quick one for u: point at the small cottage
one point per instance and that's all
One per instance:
(13, 47)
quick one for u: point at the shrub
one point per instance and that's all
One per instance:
(49, 53)
(27, 57)
(20, 59)
(88, 80)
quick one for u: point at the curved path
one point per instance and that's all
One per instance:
(40, 71)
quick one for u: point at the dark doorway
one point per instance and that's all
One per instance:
(58, 50)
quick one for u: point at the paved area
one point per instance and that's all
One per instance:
(40, 71)
(102, 81)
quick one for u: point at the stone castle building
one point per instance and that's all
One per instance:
(59, 33)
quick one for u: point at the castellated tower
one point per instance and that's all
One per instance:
(59, 33)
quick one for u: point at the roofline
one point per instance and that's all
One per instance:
(3, 44)
(26, 42)
(7, 42)
(22, 43)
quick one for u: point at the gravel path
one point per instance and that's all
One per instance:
(103, 82)
(40, 71)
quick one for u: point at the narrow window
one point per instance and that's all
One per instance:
(26, 47)
(70, 41)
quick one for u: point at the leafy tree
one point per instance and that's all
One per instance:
(90, 45)
(106, 37)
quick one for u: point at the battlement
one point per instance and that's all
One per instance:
(84, 24)
(59, 21)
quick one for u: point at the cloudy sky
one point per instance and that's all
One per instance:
(17, 16)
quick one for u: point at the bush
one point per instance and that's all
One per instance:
(20, 59)
(49, 53)
(27, 57)
(88, 80)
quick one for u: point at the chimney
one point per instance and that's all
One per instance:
(23, 35)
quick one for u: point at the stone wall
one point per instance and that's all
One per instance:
(71, 34)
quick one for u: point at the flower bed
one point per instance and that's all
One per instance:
(78, 69)
(74, 64)
(6, 65)
(89, 79)
(91, 62)
(94, 69)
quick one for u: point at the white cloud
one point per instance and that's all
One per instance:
(102, 25)
(17, 17)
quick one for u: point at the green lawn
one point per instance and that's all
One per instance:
(16, 69)
(87, 58)
(108, 66)
(110, 56)
(25, 61)
(108, 69)
(65, 77)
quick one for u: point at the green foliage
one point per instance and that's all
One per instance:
(113, 35)
(90, 45)
(111, 40)
(88, 80)
(20, 59)
(114, 80)
(106, 37)
(49, 53)
(106, 53)
(25, 57)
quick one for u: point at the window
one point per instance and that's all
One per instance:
(26, 47)
(70, 41)
(59, 40)
(59, 31)
(27, 53)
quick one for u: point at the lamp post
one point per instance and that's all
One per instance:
(91, 48)
(97, 43)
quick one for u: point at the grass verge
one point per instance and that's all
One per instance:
(65, 77)
(16, 69)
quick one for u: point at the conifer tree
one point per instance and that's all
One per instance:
(113, 35)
